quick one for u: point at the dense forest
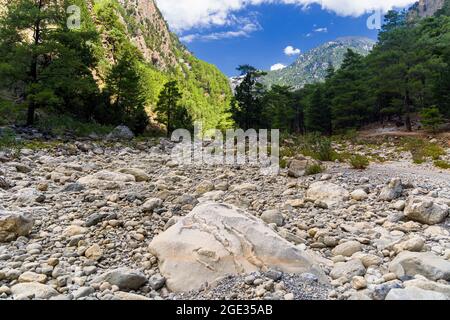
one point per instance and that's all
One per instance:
(408, 72)
(95, 73)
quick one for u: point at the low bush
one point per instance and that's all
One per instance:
(59, 125)
(359, 162)
(318, 147)
(442, 164)
(314, 169)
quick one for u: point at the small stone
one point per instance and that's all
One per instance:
(273, 216)
(83, 292)
(289, 297)
(32, 277)
(94, 252)
(389, 277)
(152, 204)
(359, 283)
(124, 278)
(414, 245)
(156, 282)
(347, 249)
(348, 269)
(5, 290)
(359, 195)
(74, 230)
(392, 191)
(249, 280)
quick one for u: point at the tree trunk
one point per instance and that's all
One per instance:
(34, 64)
(408, 112)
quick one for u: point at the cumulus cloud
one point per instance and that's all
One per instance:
(277, 66)
(183, 15)
(291, 51)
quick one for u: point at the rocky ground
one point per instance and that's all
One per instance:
(78, 220)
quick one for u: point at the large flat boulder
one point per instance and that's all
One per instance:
(413, 293)
(327, 192)
(216, 240)
(105, 176)
(33, 290)
(13, 225)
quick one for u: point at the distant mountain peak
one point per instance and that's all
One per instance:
(311, 67)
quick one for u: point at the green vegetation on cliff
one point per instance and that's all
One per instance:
(108, 71)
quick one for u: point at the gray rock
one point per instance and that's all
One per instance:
(273, 216)
(120, 133)
(347, 249)
(83, 292)
(219, 239)
(348, 269)
(95, 218)
(29, 196)
(426, 264)
(33, 290)
(426, 284)
(328, 193)
(13, 225)
(392, 191)
(379, 292)
(151, 204)
(413, 293)
(298, 167)
(426, 210)
(73, 187)
(156, 282)
(124, 278)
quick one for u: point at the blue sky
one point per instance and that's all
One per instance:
(231, 33)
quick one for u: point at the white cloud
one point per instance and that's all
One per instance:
(324, 30)
(183, 15)
(277, 66)
(244, 31)
(291, 51)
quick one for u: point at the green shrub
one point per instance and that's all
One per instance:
(359, 162)
(59, 125)
(11, 113)
(431, 118)
(442, 164)
(433, 151)
(421, 149)
(8, 141)
(314, 169)
(318, 147)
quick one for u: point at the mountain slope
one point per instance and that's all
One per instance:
(311, 67)
(138, 24)
(206, 92)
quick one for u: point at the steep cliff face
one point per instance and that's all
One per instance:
(426, 8)
(206, 91)
(151, 33)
